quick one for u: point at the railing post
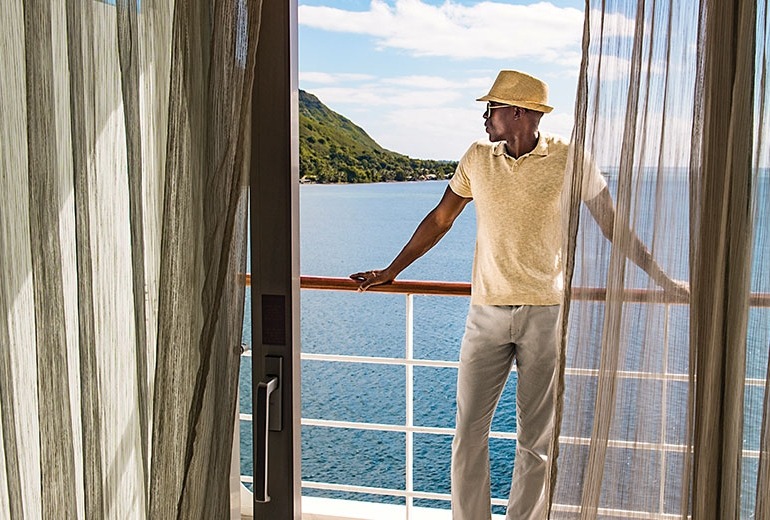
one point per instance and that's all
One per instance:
(664, 397)
(409, 404)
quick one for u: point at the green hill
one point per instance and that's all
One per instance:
(333, 149)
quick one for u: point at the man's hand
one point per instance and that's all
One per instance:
(431, 229)
(676, 290)
(368, 278)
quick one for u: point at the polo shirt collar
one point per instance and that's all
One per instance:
(541, 148)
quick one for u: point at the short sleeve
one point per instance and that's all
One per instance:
(460, 182)
(593, 180)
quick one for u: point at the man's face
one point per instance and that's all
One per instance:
(500, 120)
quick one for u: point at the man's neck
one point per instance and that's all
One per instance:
(521, 144)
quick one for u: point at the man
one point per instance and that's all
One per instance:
(517, 180)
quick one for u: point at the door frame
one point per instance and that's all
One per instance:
(274, 226)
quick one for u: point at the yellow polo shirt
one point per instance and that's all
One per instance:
(519, 205)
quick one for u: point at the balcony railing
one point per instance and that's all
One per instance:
(419, 288)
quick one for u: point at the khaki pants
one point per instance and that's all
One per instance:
(494, 337)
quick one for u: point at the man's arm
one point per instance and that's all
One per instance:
(603, 211)
(434, 226)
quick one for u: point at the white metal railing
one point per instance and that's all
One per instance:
(409, 290)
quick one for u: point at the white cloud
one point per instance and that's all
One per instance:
(394, 91)
(612, 24)
(433, 116)
(382, 95)
(327, 78)
(428, 133)
(618, 69)
(445, 134)
(428, 117)
(559, 123)
(606, 144)
(425, 82)
(484, 30)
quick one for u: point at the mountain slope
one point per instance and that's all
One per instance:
(334, 149)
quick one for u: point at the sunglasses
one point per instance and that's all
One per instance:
(490, 107)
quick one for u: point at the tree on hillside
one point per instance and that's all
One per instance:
(334, 149)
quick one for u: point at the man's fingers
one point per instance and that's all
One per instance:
(366, 279)
(678, 289)
(368, 283)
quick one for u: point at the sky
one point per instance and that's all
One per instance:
(409, 71)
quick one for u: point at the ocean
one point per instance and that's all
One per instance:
(349, 228)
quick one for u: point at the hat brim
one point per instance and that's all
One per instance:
(537, 107)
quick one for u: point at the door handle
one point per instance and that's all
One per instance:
(264, 389)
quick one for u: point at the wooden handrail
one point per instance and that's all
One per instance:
(397, 286)
(464, 289)
(328, 283)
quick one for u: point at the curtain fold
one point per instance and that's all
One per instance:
(198, 190)
(123, 242)
(54, 414)
(128, 57)
(662, 410)
(79, 20)
(612, 329)
(18, 386)
(721, 257)
(759, 417)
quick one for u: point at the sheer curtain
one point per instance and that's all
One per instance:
(662, 400)
(122, 241)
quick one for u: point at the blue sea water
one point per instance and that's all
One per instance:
(347, 228)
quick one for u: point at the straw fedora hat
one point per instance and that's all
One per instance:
(522, 90)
